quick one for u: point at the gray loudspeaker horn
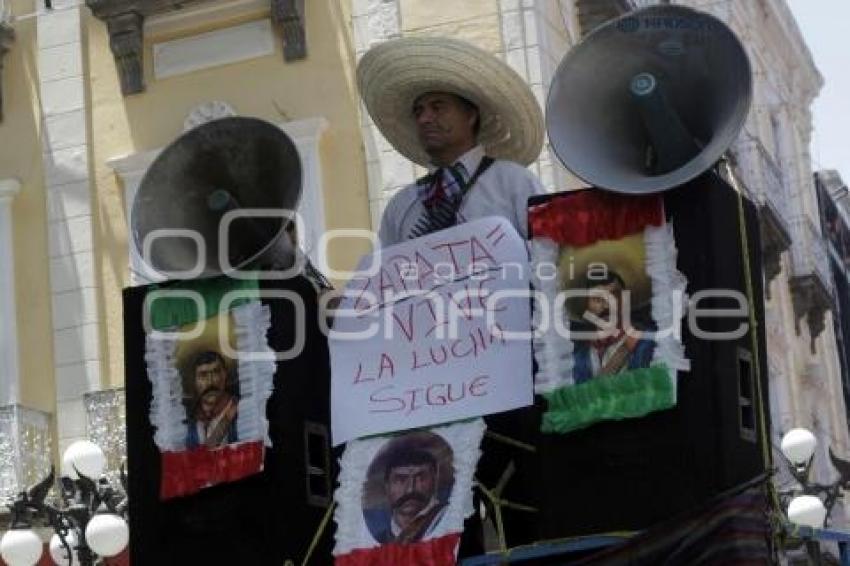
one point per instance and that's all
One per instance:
(649, 101)
(224, 165)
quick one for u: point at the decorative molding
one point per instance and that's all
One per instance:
(204, 15)
(307, 134)
(775, 239)
(289, 15)
(214, 48)
(125, 21)
(207, 112)
(131, 169)
(126, 42)
(7, 36)
(811, 299)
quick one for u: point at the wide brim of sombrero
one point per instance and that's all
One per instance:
(393, 74)
(626, 257)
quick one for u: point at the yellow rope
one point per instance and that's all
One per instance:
(510, 441)
(767, 454)
(316, 537)
(497, 512)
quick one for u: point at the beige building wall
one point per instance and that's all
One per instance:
(67, 122)
(20, 158)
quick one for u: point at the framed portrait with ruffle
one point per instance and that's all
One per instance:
(609, 345)
(211, 373)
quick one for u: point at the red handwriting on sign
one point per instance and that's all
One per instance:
(474, 344)
(391, 399)
(417, 319)
(386, 369)
(428, 267)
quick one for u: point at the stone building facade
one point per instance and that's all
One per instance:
(93, 90)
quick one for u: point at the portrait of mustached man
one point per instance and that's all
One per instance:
(211, 408)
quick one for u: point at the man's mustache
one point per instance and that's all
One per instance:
(418, 497)
(208, 390)
(435, 128)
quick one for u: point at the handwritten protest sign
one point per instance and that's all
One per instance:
(437, 330)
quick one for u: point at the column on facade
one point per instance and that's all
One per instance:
(24, 433)
(75, 317)
(9, 378)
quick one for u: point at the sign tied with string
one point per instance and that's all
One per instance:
(433, 330)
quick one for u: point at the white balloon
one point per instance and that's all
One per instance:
(807, 510)
(85, 456)
(798, 445)
(21, 547)
(58, 552)
(107, 534)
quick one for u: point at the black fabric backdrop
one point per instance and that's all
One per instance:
(262, 520)
(631, 474)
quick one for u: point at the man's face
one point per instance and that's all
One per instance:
(409, 489)
(603, 298)
(443, 121)
(210, 380)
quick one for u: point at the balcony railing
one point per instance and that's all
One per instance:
(25, 451)
(809, 254)
(772, 191)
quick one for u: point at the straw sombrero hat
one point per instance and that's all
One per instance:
(626, 257)
(393, 74)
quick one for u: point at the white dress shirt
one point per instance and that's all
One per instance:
(502, 190)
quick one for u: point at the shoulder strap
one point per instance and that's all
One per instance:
(485, 164)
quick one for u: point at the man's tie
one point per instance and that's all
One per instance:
(448, 185)
(442, 204)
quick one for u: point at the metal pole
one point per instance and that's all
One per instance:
(844, 553)
(813, 549)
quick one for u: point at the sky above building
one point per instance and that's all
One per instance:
(825, 25)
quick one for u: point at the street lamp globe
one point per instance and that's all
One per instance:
(85, 457)
(107, 534)
(798, 445)
(59, 553)
(807, 510)
(21, 547)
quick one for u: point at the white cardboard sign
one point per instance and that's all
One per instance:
(433, 330)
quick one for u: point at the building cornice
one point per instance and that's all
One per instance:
(797, 46)
(125, 21)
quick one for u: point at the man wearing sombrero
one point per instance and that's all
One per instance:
(467, 117)
(622, 347)
(611, 276)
